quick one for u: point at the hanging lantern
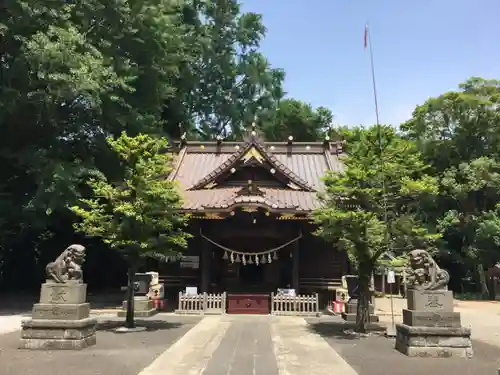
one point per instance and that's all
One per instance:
(250, 261)
(237, 260)
(269, 260)
(243, 260)
(232, 257)
(257, 260)
(275, 256)
(225, 255)
(263, 259)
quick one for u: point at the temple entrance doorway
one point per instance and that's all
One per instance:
(252, 275)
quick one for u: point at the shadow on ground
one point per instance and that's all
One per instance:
(375, 354)
(150, 325)
(114, 354)
(342, 330)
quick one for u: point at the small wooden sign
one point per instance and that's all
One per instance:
(391, 277)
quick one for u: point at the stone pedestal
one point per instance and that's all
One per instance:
(61, 319)
(143, 308)
(351, 310)
(431, 328)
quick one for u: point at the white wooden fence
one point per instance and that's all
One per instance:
(300, 305)
(202, 303)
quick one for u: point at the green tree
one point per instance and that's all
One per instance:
(471, 192)
(229, 81)
(458, 134)
(73, 73)
(459, 125)
(371, 207)
(295, 118)
(138, 214)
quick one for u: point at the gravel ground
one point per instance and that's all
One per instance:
(114, 354)
(375, 355)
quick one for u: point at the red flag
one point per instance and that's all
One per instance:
(366, 35)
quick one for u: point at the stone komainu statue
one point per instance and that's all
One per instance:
(67, 266)
(424, 273)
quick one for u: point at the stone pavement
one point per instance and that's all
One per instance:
(173, 345)
(250, 345)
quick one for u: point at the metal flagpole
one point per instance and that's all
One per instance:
(368, 41)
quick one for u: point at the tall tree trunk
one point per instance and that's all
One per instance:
(363, 308)
(482, 281)
(129, 320)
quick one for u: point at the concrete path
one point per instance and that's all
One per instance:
(191, 354)
(250, 345)
(11, 323)
(299, 351)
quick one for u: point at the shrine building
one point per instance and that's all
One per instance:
(249, 206)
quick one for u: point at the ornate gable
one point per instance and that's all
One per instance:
(253, 153)
(252, 195)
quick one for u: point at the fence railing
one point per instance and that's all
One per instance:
(300, 305)
(202, 303)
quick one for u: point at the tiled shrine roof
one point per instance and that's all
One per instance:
(203, 167)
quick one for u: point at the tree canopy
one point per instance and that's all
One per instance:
(372, 206)
(138, 214)
(74, 74)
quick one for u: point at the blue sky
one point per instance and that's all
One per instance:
(421, 48)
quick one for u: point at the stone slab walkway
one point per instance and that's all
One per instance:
(250, 345)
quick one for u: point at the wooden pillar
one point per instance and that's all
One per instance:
(295, 269)
(206, 259)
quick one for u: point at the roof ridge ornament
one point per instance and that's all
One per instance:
(250, 189)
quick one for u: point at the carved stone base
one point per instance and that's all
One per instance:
(433, 341)
(54, 344)
(352, 306)
(143, 308)
(72, 292)
(61, 319)
(351, 317)
(61, 312)
(53, 334)
(351, 310)
(431, 318)
(138, 314)
(430, 300)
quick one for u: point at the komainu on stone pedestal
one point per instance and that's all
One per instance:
(430, 326)
(61, 319)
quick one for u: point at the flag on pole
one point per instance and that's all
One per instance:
(366, 35)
